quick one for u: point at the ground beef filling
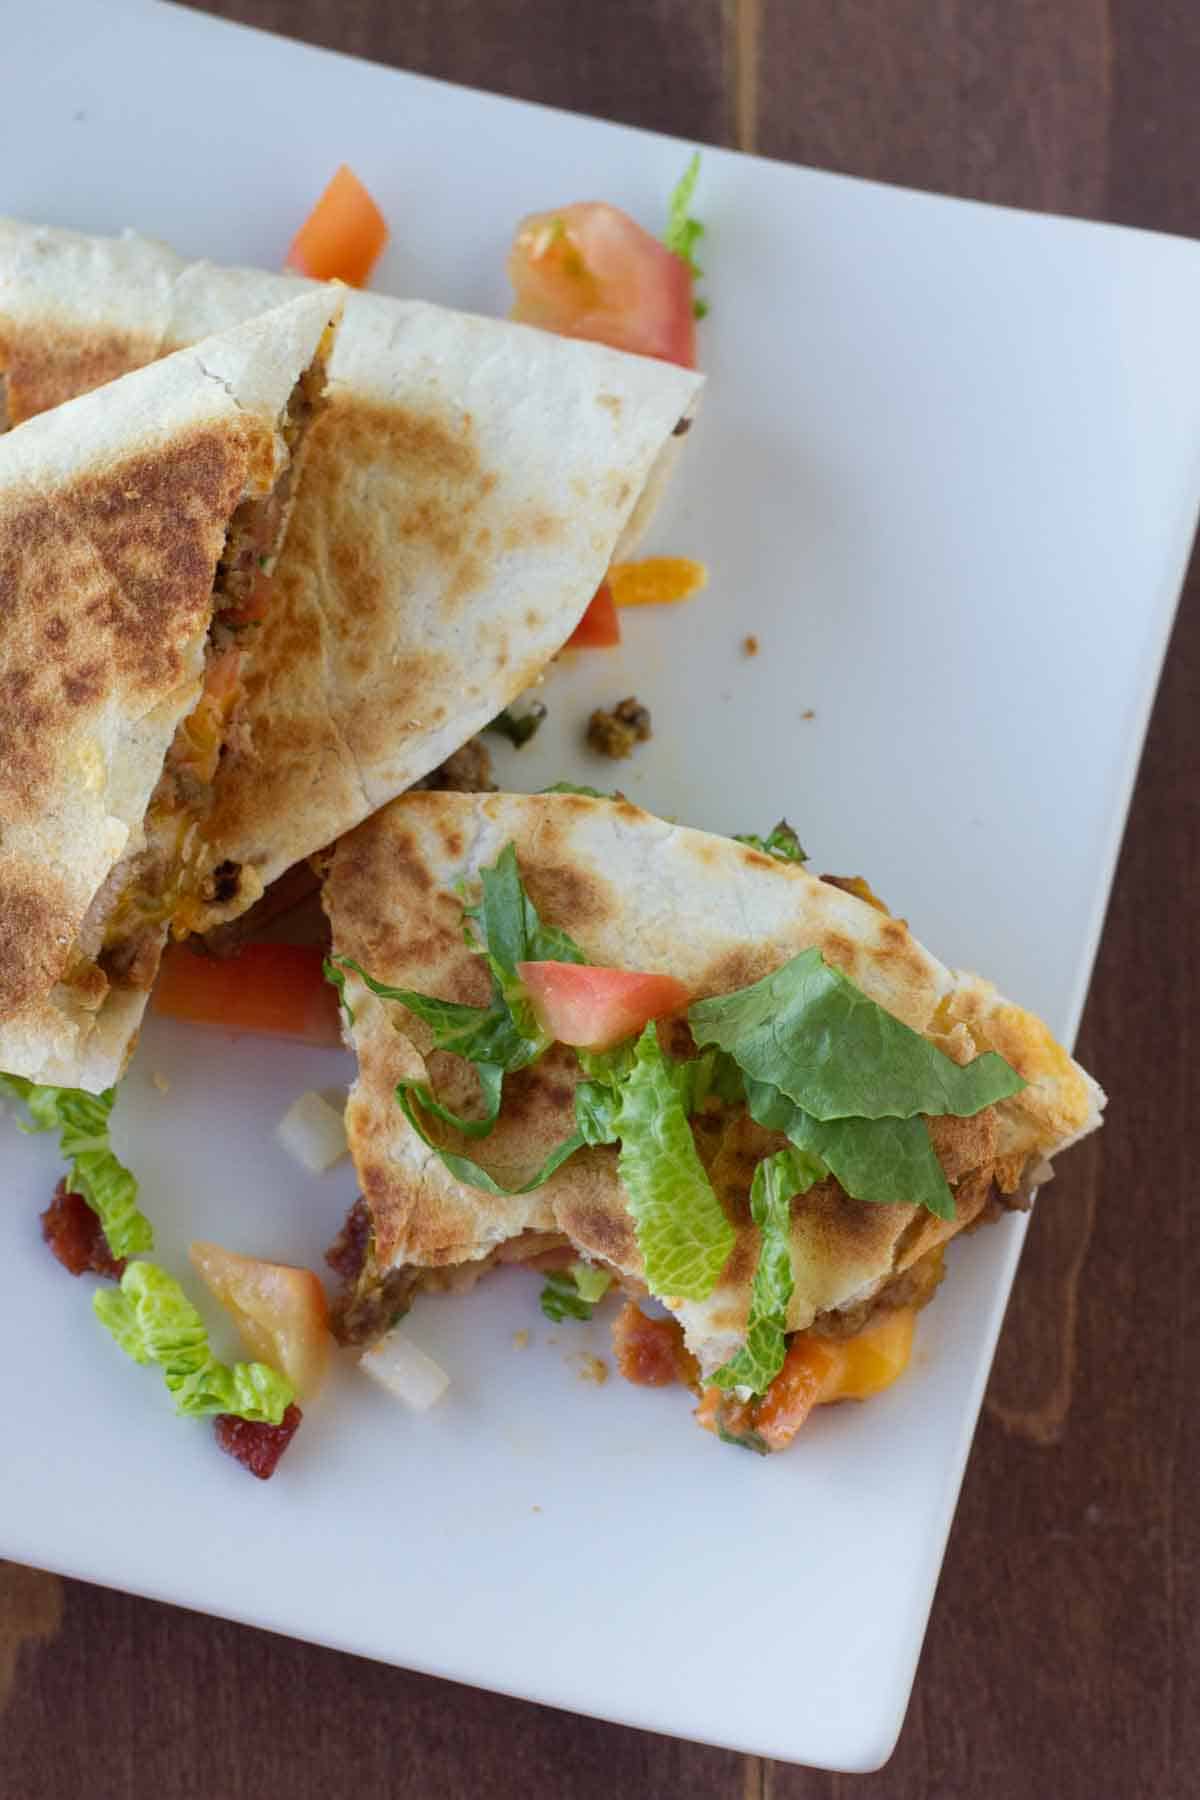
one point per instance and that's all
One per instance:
(616, 733)
(130, 918)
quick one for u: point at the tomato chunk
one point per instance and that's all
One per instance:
(590, 271)
(599, 627)
(281, 1313)
(596, 1008)
(343, 236)
(277, 989)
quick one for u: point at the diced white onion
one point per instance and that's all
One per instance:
(403, 1368)
(313, 1132)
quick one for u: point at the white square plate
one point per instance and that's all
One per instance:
(947, 472)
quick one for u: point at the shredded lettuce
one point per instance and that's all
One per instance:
(682, 1232)
(519, 725)
(153, 1321)
(683, 231)
(502, 1036)
(411, 1095)
(782, 843)
(573, 787)
(82, 1122)
(336, 977)
(777, 1179)
(888, 1161)
(572, 1293)
(809, 1031)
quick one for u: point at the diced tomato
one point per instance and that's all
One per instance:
(590, 271)
(281, 1313)
(276, 989)
(596, 1008)
(343, 236)
(599, 627)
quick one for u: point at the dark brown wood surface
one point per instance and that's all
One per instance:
(1063, 1655)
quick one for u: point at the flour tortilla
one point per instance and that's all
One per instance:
(463, 495)
(113, 515)
(639, 893)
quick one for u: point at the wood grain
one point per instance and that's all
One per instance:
(1063, 1656)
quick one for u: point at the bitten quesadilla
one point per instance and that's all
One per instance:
(465, 491)
(138, 532)
(591, 1038)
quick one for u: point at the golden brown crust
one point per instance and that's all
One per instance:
(461, 500)
(53, 360)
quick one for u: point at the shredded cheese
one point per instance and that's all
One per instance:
(656, 580)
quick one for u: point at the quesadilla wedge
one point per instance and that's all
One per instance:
(136, 525)
(465, 490)
(773, 1111)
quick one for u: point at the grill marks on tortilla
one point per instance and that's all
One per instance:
(45, 364)
(100, 591)
(36, 926)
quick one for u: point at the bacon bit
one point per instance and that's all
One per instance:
(76, 1236)
(257, 1447)
(651, 1352)
(656, 580)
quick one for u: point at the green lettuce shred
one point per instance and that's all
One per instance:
(153, 1321)
(889, 1161)
(777, 1180)
(683, 1234)
(812, 1033)
(572, 1293)
(683, 231)
(782, 843)
(336, 977)
(96, 1172)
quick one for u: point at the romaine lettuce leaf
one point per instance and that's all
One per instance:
(153, 1321)
(82, 1121)
(809, 1031)
(682, 1231)
(777, 1179)
(888, 1161)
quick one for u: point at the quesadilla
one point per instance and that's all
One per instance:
(585, 1035)
(139, 527)
(465, 491)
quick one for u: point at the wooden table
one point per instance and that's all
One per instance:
(1063, 1656)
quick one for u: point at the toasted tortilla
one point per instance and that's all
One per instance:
(114, 510)
(639, 893)
(462, 497)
